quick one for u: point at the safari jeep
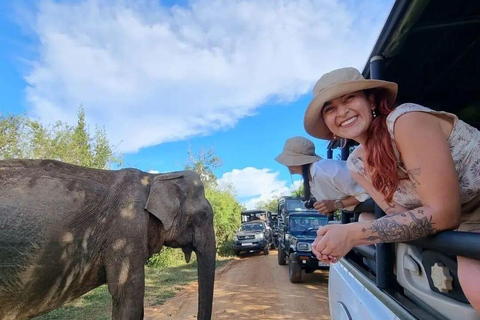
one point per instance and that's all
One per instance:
(297, 232)
(431, 49)
(254, 235)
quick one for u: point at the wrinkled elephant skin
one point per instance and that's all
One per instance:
(65, 230)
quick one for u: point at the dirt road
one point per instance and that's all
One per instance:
(251, 287)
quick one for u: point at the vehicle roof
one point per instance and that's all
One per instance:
(290, 198)
(432, 49)
(254, 222)
(307, 213)
(254, 211)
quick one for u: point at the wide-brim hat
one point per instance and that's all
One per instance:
(333, 85)
(298, 151)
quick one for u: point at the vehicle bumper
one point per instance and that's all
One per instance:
(308, 261)
(250, 244)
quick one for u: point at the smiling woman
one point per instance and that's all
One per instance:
(401, 152)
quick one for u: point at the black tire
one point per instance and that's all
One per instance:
(281, 256)
(266, 251)
(294, 270)
(236, 252)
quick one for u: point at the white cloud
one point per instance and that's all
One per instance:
(253, 185)
(152, 74)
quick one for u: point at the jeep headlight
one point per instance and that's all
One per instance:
(235, 237)
(304, 246)
(259, 235)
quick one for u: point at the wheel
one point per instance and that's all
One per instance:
(236, 252)
(281, 256)
(266, 251)
(294, 270)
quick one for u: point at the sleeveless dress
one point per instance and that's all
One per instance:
(464, 142)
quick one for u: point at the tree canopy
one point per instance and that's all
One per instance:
(25, 138)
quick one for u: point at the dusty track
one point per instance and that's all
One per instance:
(253, 286)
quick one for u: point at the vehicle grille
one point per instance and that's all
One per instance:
(246, 237)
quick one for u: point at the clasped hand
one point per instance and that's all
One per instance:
(332, 243)
(325, 206)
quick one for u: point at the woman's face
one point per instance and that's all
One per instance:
(295, 169)
(349, 116)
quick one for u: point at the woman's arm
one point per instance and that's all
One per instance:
(327, 206)
(379, 198)
(424, 150)
(350, 201)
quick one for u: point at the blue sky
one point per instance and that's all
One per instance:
(165, 76)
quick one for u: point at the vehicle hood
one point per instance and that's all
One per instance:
(305, 238)
(246, 233)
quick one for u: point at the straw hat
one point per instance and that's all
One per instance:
(333, 85)
(297, 151)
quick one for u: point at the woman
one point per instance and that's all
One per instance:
(401, 153)
(328, 180)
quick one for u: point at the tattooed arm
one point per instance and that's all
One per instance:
(337, 240)
(422, 141)
(398, 227)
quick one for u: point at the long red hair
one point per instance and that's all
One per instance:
(381, 163)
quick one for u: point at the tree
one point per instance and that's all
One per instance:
(11, 144)
(226, 209)
(300, 192)
(204, 164)
(21, 137)
(270, 205)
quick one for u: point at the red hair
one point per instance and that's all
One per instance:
(381, 163)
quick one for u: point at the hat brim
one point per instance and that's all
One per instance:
(313, 121)
(296, 160)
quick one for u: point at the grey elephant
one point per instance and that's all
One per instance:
(65, 230)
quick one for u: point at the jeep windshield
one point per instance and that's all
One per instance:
(308, 224)
(252, 227)
(296, 205)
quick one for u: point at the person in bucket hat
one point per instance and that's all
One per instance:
(401, 152)
(328, 180)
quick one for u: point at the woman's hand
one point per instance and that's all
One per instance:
(325, 206)
(333, 241)
(323, 258)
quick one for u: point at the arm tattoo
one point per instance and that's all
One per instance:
(389, 229)
(412, 173)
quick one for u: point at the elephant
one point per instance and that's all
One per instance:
(66, 229)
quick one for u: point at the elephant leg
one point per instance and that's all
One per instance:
(126, 283)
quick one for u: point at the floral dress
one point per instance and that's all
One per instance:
(464, 142)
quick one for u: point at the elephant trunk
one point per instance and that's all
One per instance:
(205, 250)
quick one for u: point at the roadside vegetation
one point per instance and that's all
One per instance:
(166, 272)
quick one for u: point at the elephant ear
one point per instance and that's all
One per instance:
(164, 201)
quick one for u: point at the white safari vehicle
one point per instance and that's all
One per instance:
(431, 48)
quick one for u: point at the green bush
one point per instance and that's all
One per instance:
(225, 248)
(169, 257)
(226, 217)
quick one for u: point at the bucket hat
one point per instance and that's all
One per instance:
(333, 85)
(298, 151)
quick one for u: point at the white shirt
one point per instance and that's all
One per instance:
(331, 180)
